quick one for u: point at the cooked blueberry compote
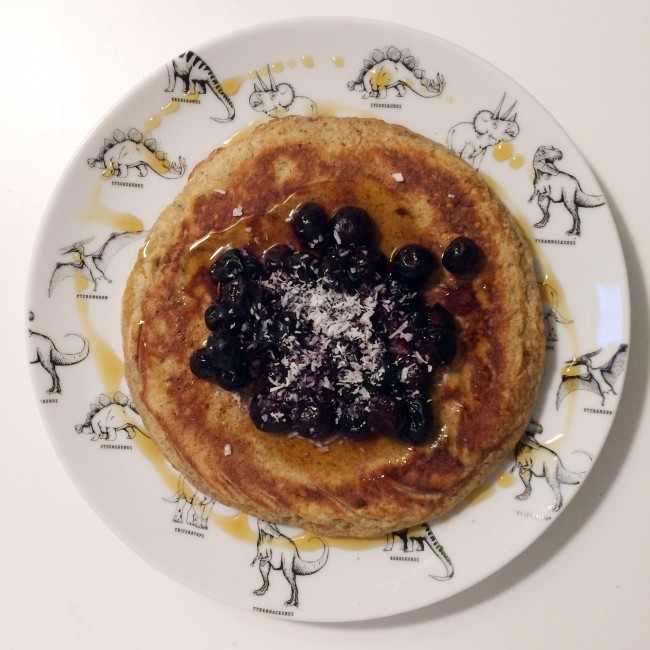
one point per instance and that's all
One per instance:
(328, 337)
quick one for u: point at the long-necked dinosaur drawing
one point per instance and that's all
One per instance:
(91, 266)
(554, 186)
(417, 538)
(197, 76)
(44, 352)
(596, 379)
(280, 553)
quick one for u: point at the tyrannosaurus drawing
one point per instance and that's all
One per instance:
(552, 185)
(279, 552)
(533, 459)
(44, 352)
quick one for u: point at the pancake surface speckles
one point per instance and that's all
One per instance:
(417, 192)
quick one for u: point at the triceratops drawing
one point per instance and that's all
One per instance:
(278, 100)
(470, 140)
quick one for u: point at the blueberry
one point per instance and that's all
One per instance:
(220, 316)
(304, 266)
(277, 257)
(418, 421)
(385, 377)
(233, 379)
(413, 263)
(269, 414)
(253, 269)
(353, 421)
(400, 293)
(351, 225)
(312, 419)
(387, 415)
(284, 326)
(228, 267)
(261, 359)
(438, 344)
(461, 256)
(234, 264)
(240, 295)
(412, 375)
(201, 364)
(332, 273)
(225, 351)
(361, 265)
(309, 224)
(276, 373)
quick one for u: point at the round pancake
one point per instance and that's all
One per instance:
(417, 192)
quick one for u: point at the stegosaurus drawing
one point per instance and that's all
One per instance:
(132, 150)
(109, 415)
(394, 68)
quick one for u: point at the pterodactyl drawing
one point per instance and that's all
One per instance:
(599, 380)
(91, 266)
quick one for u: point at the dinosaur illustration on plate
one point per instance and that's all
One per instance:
(279, 99)
(596, 379)
(470, 140)
(196, 76)
(125, 151)
(192, 507)
(554, 186)
(280, 553)
(109, 415)
(533, 459)
(416, 539)
(395, 69)
(551, 312)
(91, 266)
(44, 351)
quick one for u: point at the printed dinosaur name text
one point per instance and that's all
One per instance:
(599, 411)
(563, 242)
(533, 515)
(91, 296)
(192, 533)
(123, 184)
(276, 612)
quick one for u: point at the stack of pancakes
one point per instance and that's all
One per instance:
(416, 192)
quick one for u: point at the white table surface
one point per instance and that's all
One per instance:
(67, 582)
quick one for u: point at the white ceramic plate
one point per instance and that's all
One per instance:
(341, 67)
